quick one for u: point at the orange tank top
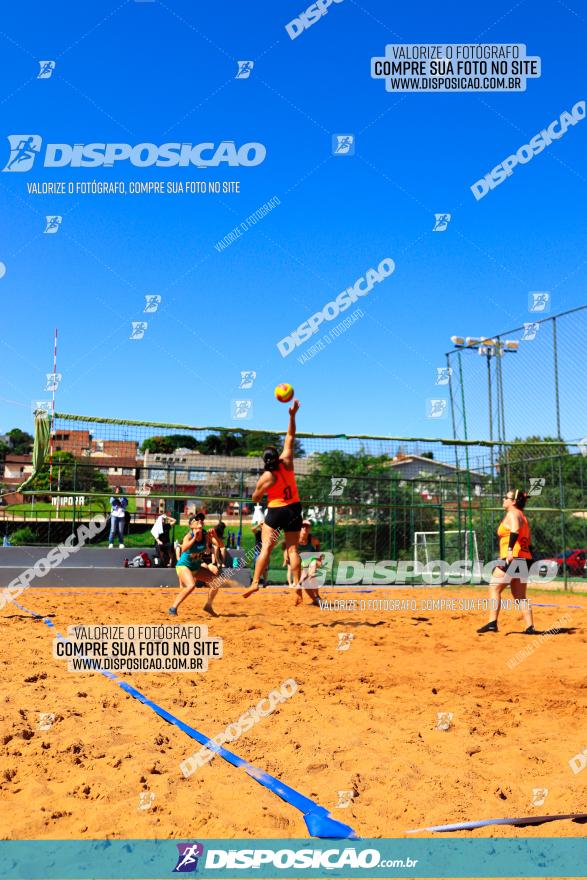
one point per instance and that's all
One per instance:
(284, 490)
(521, 547)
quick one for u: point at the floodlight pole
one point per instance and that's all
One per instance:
(491, 348)
(454, 433)
(490, 399)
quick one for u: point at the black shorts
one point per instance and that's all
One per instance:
(521, 575)
(286, 519)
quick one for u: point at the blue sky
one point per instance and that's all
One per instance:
(157, 72)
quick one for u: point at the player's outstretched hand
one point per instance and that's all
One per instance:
(294, 407)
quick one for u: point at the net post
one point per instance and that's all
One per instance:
(332, 541)
(73, 516)
(442, 548)
(469, 489)
(558, 436)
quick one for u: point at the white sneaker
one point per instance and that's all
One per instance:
(110, 546)
(121, 546)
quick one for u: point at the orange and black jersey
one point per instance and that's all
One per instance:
(284, 491)
(521, 548)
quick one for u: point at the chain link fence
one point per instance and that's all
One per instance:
(369, 498)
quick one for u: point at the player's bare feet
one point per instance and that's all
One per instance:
(254, 588)
(209, 610)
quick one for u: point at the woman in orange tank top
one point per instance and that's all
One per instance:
(284, 514)
(515, 559)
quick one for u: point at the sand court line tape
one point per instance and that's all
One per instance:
(541, 605)
(524, 820)
(318, 820)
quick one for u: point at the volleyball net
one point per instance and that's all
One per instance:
(367, 497)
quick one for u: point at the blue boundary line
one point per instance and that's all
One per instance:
(522, 822)
(318, 820)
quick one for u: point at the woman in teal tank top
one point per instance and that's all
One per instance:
(195, 545)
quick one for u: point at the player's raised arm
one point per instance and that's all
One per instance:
(287, 456)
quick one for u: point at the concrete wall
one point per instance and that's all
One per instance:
(94, 567)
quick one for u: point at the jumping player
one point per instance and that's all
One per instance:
(514, 543)
(284, 513)
(191, 568)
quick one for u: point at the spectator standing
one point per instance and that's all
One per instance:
(118, 505)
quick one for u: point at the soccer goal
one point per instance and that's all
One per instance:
(457, 545)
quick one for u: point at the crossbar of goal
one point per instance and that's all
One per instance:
(457, 545)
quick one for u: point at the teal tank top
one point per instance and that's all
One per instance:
(192, 558)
